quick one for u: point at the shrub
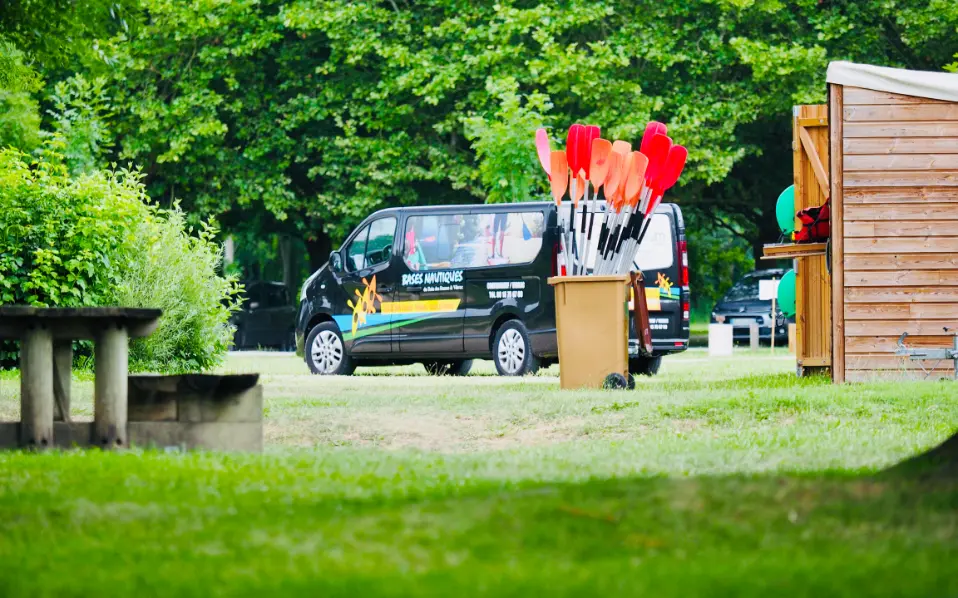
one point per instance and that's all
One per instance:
(94, 240)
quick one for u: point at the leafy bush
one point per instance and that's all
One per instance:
(94, 240)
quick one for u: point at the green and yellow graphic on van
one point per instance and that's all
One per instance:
(655, 295)
(366, 319)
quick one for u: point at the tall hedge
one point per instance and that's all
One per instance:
(95, 239)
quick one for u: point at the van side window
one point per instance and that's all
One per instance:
(356, 251)
(472, 240)
(379, 248)
(657, 251)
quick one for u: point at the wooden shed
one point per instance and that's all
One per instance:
(893, 164)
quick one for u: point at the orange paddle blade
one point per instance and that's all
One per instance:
(559, 168)
(599, 164)
(579, 188)
(635, 177)
(621, 147)
(614, 176)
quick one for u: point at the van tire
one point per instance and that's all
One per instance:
(645, 366)
(324, 344)
(512, 350)
(460, 367)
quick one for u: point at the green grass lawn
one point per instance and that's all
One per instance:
(717, 477)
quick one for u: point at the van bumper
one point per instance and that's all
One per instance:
(660, 346)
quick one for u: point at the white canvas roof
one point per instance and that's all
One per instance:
(923, 84)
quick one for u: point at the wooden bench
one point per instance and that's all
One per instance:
(190, 411)
(46, 338)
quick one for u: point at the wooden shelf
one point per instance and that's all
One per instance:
(792, 250)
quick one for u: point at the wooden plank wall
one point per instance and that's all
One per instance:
(899, 192)
(813, 291)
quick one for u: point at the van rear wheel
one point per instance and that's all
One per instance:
(512, 351)
(645, 366)
(325, 352)
(459, 367)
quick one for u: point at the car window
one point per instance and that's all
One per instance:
(472, 240)
(380, 244)
(356, 251)
(276, 296)
(251, 294)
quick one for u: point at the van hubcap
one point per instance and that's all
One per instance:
(327, 352)
(511, 351)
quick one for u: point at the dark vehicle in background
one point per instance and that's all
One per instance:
(445, 285)
(267, 318)
(741, 307)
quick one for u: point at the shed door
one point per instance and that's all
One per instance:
(813, 283)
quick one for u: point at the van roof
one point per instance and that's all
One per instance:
(484, 207)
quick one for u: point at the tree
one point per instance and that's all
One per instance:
(318, 112)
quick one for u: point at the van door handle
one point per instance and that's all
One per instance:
(386, 288)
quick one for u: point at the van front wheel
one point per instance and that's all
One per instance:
(326, 352)
(512, 351)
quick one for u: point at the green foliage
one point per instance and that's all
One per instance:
(300, 117)
(80, 115)
(176, 270)
(19, 112)
(505, 149)
(318, 112)
(60, 236)
(718, 257)
(93, 239)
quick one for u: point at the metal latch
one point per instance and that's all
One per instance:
(929, 354)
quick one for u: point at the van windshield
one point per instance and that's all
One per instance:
(747, 288)
(436, 241)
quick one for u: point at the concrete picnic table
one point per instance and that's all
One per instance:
(46, 338)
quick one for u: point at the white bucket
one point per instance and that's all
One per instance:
(720, 340)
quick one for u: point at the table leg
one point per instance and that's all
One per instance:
(36, 388)
(62, 371)
(111, 354)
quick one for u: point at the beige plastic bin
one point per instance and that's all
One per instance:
(592, 322)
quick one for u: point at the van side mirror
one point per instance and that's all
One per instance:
(335, 262)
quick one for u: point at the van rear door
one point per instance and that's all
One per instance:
(660, 262)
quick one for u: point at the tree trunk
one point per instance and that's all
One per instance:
(318, 250)
(288, 260)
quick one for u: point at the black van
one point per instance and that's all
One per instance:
(448, 284)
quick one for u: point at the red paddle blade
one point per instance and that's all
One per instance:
(543, 149)
(592, 133)
(599, 161)
(674, 164)
(651, 130)
(658, 151)
(573, 139)
(636, 177)
(559, 180)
